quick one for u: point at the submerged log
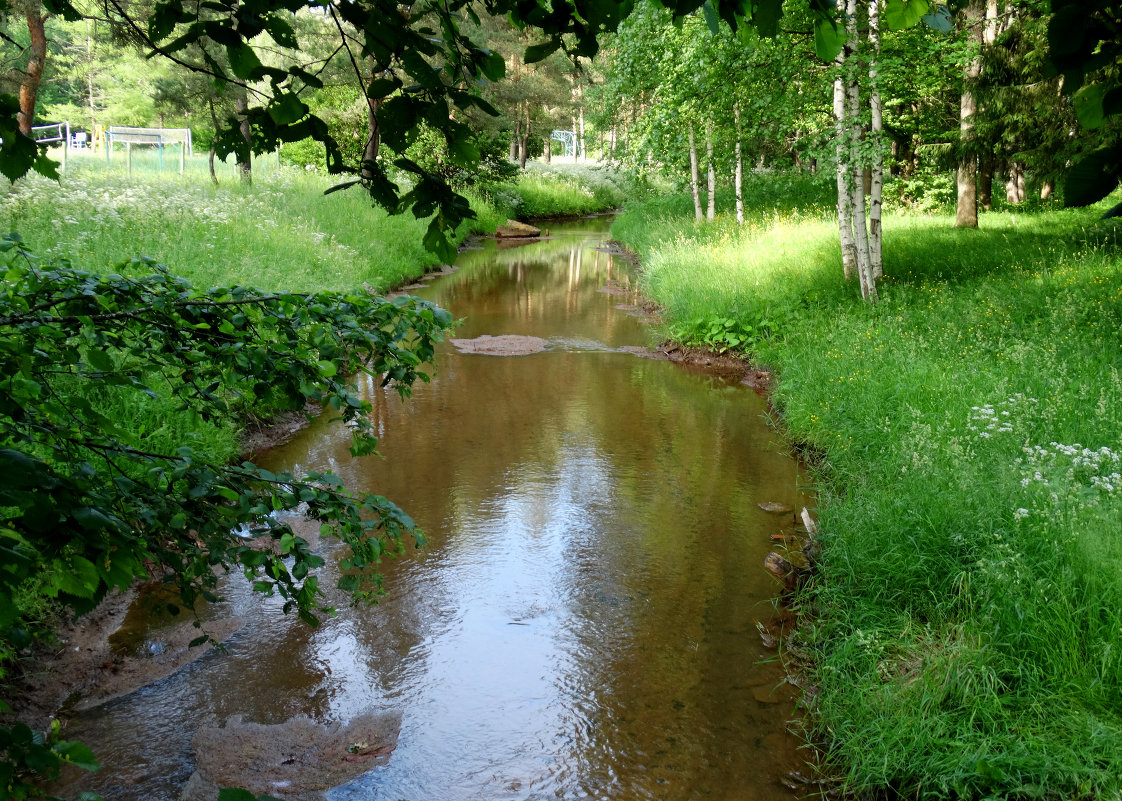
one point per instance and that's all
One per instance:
(515, 229)
(782, 570)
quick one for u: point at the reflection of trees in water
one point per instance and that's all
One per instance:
(635, 483)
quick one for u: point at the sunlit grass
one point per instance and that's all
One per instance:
(967, 630)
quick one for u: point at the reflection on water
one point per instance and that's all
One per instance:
(582, 623)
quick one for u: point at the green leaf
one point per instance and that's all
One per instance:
(901, 14)
(1093, 177)
(766, 16)
(829, 39)
(163, 20)
(711, 18)
(63, 8)
(939, 20)
(1088, 103)
(493, 66)
(100, 360)
(281, 31)
(243, 61)
(18, 153)
(463, 152)
(327, 369)
(286, 108)
(539, 52)
(382, 87)
(77, 754)
(235, 794)
(79, 577)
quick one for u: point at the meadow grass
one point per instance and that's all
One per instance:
(562, 190)
(280, 233)
(966, 614)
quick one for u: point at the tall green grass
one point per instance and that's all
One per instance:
(967, 609)
(559, 190)
(280, 233)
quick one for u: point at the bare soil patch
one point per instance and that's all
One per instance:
(502, 345)
(80, 669)
(297, 760)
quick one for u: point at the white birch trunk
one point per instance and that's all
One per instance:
(857, 188)
(583, 152)
(694, 178)
(841, 130)
(876, 130)
(711, 176)
(738, 169)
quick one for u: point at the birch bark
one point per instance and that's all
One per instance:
(711, 176)
(858, 209)
(841, 151)
(738, 169)
(694, 178)
(876, 129)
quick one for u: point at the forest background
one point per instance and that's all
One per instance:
(964, 641)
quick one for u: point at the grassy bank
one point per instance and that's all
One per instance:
(280, 233)
(967, 611)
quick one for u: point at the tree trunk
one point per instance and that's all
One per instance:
(523, 145)
(1015, 187)
(966, 176)
(841, 151)
(1047, 190)
(244, 153)
(547, 149)
(876, 132)
(214, 123)
(33, 75)
(373, 132)
(89, 75)
(711, 176)
(580, 120)
(858, 208)
(694, 178)
(985, 182)
(738, 169)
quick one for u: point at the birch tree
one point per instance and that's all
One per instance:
(694, 177)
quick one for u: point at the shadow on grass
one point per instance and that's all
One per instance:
(935, 251)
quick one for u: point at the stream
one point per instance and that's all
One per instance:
(583, 621)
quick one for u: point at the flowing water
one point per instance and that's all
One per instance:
(583, 621)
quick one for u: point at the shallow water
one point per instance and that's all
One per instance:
(582, 623)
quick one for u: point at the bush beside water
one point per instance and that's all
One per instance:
(965, 623)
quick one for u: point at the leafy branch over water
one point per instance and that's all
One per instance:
(90, 504)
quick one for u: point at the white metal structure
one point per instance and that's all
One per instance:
(53, 132)
(568, 139)
(129, 136)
